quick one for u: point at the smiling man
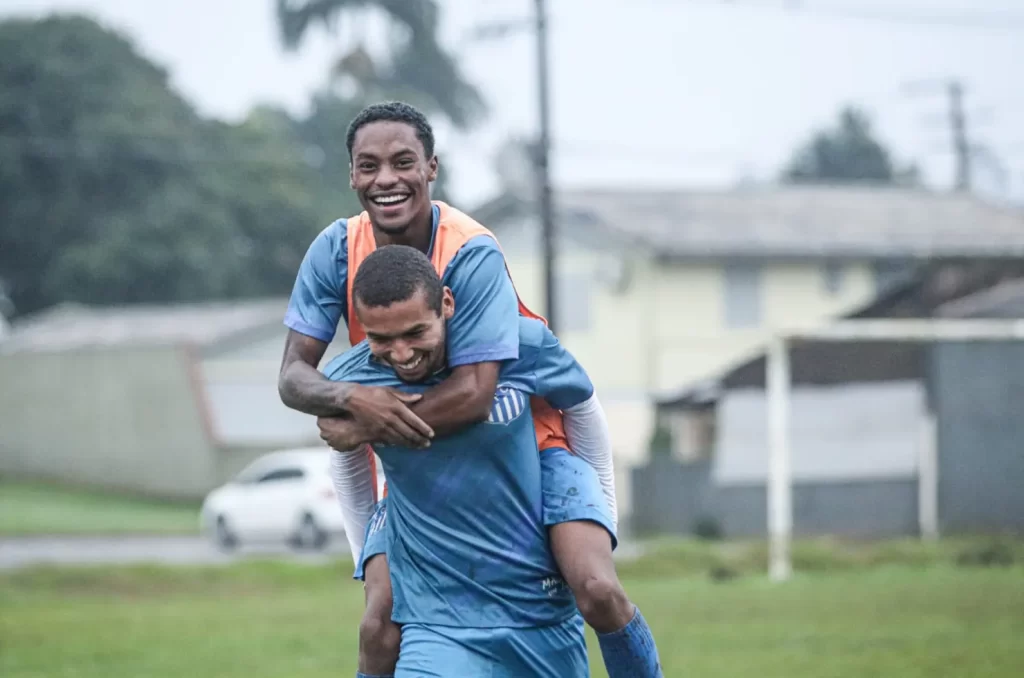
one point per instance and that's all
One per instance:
(476, 590)
(393, 164)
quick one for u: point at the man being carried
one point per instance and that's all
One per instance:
(393, 164)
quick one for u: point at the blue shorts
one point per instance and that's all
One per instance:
(572, 491)
(558, 651)
(375, 538)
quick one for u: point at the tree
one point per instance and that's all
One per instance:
(269, 189)
(847, 153)
(417, 69)
(113, 190)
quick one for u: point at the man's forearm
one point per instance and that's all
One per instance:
(461, 400)
(305, 389)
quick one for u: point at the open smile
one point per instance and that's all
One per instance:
(390, 200)
(410, 365)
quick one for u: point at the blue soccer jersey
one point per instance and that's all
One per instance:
(483, 329)
(468, 544)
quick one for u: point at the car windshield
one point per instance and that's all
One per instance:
(252, 473)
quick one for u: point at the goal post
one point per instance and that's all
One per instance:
(778, 392)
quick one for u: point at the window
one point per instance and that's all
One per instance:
(281, 474)
(573, 300)
(742, 296)
(833, 274)
(693, 434)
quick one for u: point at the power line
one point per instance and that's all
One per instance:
(669, 153)
(989, 20)
(973, 19)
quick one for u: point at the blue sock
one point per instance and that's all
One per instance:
(630, 652)
(366, 675)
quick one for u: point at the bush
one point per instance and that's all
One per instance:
(708, 528)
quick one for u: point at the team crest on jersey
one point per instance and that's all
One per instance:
(508, 404)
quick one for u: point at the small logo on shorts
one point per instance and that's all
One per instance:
(508, 404)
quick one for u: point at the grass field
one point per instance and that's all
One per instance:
(34, 508)
(265, 620)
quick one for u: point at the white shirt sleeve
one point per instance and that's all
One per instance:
(586, 428)
(354, 486)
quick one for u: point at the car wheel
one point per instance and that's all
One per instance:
(309, 535)
(226, 539)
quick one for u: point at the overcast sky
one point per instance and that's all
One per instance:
(666, 93)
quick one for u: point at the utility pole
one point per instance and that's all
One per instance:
(542, 154)
(958, 127)
(956, 119)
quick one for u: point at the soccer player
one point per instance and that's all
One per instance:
(393, 164)
(476, 590)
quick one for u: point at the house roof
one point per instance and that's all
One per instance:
(788, 221)
(974, 289)
(1005, 300)
(74, 326)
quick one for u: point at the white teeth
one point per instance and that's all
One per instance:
(389, 199)
(410, 365)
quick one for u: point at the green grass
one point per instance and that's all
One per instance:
(265, 620)
(39, 509)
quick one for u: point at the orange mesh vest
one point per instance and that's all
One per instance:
(454, 229)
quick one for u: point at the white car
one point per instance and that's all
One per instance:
(281, 496)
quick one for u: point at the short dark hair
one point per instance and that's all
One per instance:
(393, 111)
(394, 273)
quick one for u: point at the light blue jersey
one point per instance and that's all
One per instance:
(483, 329)
(468, 545)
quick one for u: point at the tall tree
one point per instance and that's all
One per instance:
(113, 190)
(417, 69)
(847, 153)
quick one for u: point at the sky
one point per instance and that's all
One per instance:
(645, 93)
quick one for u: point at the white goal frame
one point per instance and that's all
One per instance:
(778, 386)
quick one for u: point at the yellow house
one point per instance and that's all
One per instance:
(659, 290)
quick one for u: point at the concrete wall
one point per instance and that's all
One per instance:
(125, 418)
(885, 507)
(240, 384)
(837, 433)
(978, 392)
(669, 497)
(672, 498)
(854, 463)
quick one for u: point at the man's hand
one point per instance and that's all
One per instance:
(341, 433)
(382, 415)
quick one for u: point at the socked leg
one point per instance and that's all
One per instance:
(379, 637)
(583, 552)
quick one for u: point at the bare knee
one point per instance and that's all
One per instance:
(603, 603)
(379, 643)
(378, 635)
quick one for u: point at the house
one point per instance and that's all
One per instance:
(163, 400)
(658, 290)
(861, 416)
